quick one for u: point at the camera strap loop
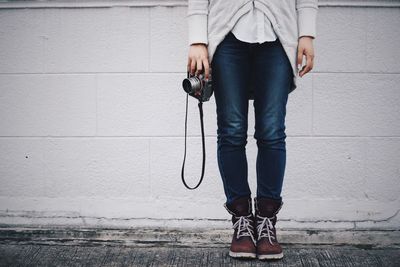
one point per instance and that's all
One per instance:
(203, 143)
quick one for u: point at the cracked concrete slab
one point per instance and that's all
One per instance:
(14, 254)
(66, 246)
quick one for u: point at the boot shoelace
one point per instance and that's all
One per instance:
(244, 223)
(266, 223)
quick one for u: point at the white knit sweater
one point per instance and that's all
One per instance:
(209, 21)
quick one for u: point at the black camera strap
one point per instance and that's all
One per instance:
(203, 142)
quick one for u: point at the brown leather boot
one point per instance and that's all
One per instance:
(243, 243)
(266, 210)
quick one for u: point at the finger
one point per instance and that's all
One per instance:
(300, 57)
(306, 68)
(206, 68)
(199, 66)
(309, 66)
(311, 61)
(192, 66)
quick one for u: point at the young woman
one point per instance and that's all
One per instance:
(254, 49)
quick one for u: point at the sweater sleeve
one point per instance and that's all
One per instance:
(197, 19)
(307, 17)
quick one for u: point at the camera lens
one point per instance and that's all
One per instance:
(190, 85)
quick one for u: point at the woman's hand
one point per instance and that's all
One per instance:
(198, 57)
(306, 48)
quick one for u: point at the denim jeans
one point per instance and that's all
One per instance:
(237, 67)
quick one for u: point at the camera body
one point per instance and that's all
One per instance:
(198, 87)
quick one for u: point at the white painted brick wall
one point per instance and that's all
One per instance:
(92, 120)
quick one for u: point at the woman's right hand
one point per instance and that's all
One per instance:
(198, 57)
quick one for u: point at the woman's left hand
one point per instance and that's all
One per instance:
(306, 48)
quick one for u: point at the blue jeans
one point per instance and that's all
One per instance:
(237, 67)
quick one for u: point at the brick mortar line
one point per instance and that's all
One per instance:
(177, 3)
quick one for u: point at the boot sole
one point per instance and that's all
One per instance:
(270, 256)
(242, 254)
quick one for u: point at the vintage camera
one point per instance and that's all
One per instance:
(201, 89)
(198, 87)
